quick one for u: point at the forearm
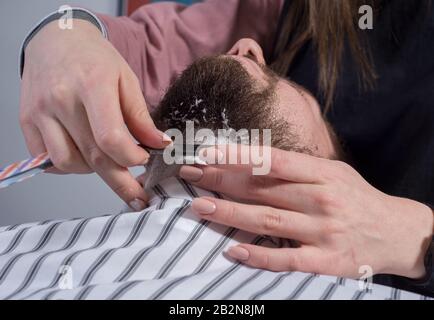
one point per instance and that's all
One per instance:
(159, 40)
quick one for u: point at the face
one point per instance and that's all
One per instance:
(239, 92)
(293, 103)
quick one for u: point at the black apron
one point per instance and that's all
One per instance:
(388, 132)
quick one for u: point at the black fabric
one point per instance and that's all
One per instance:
(389, 131)
(423, 286)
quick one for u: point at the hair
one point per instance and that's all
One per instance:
(218, 93)
(332, 25)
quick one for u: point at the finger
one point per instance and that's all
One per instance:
(107, 124)
(304, 259)
(257, 219)
(123, 183)
(61, 148)
(33, 139)
(118, 178)
(255, 189)
(136, 114)
(216, 179)
(141, 179)
(35, 143)
(263, 160)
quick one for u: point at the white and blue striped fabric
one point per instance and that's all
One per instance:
(164, 252)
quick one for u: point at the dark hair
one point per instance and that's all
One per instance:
(218, 93)
(333, 24)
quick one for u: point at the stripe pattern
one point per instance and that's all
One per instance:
(164, 252)
(23, 170)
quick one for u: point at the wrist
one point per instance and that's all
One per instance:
(52, 45)
(51, 33)
(418, 234)
(77, 15)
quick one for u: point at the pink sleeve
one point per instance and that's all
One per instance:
(160, 40)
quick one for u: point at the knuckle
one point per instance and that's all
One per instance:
(270, 220)
(108, 139)
(58, 93)
(257, 186)
(62, 160)
(264, 261)
(89, 75)
(339, 170)
(40, 105)
(218, 178)
(326, 200)
(343, 166)
(329, 228)
(140, 113)
(96, 158)
(279, 160)
(25, 119)
(230, 213)
(111, 142)
(293, 262)
(123, 191)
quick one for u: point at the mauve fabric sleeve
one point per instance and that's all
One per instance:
(160, 40)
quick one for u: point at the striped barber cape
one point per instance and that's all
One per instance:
(164, 252)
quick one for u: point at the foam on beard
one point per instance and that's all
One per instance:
(197, 114)
(176, 118)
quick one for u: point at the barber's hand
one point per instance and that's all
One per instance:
(80, 101)
(341, 222)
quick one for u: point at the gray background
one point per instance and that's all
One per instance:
(46, 196)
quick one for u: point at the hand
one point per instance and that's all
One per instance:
(340, 221)
(77, 95)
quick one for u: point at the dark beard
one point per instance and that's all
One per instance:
(218, 93)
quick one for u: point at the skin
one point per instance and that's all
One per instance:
(294, 103)
(78, 107)
(341, 222)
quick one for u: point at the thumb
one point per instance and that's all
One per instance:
(136, 114)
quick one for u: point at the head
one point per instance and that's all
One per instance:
(237, 91)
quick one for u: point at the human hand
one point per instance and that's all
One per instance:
(340, 221)
(80, 101)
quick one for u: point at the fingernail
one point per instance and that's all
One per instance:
(137, 205)
(203, 206)
(141, 179)
(146, 160)
(166, 139)
(239, 253)
(211, 156)
(191, 174)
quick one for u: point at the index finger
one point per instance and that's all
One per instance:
(105, 116)
(258, 219)
(136, 114)
(276, 163)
